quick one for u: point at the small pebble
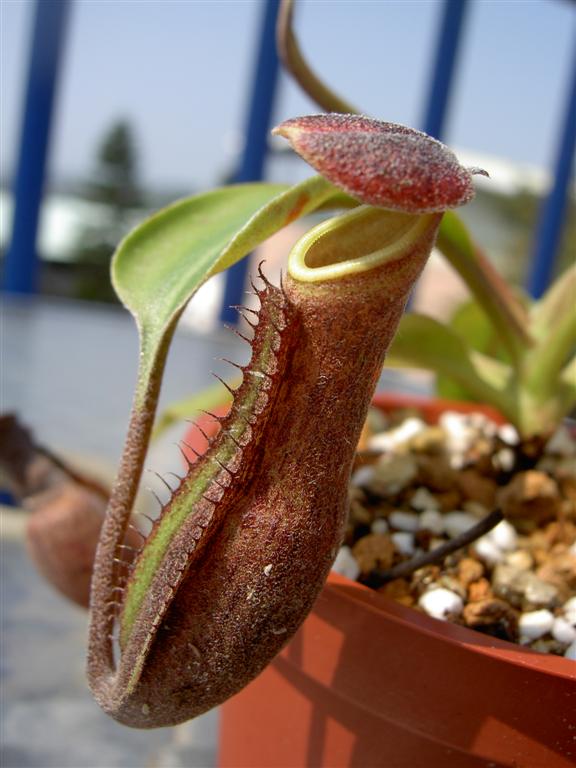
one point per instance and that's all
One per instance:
(453, 422)
(475, 508)
(458, 522)
(423, 499)
(563, 631)
(520, 559)
(570, 652)
(441, 603)
(431, 520)
(474, 485)
(459, 434)
(523, 588)
(508, 434)
(469, 570)
(404, 542)
(569, 610)
(404, 521)
(345, 564)
(358, 514)
(548, 645)
(451, 583)
(392, 438)
(457, 459)
(483, 424)
(379, 526)
(374, 551)
(561, 443)
(493, 617)
(534, 624)
(504, 459)
(570, 604)
(504, 536)
(479, 590)
(430, 440)
(393, 473)
(531, 494)
(540, 594)
(363, 475)
(487, 551)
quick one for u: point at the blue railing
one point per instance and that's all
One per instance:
(258, 124)
(50, 23)
(48, 35)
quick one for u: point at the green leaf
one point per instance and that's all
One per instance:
(472, 325)
(568, 385)
(161, 264)
(544, 362)
(558, 301)
(490, 290)
(422, 342)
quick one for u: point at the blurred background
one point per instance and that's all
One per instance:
(154, 100)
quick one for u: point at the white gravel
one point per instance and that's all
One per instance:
(404, 521)
(431, 520)
(441, 602)
(504, 536)
(561, 443)
(386, 441)
(458, 522)
(363, 475)
(563, 630)
(504, 459)
(404, 542)
(569, 610)
(345, 564)
(534, 624)
(488, 551)
(423, 499)
(379, 526)
(508, 434)
(570, 652)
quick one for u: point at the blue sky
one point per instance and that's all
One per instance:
(179, 70)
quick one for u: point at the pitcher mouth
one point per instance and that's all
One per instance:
(354, 242)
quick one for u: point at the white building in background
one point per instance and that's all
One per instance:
(65, 217)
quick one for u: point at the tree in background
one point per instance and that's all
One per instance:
(114, 185)
(115, 181)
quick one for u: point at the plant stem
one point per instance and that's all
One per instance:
(439, 553)
(122, 500)
(298, 67)
(488, 288)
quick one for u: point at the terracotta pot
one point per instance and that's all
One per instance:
(367, 682)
